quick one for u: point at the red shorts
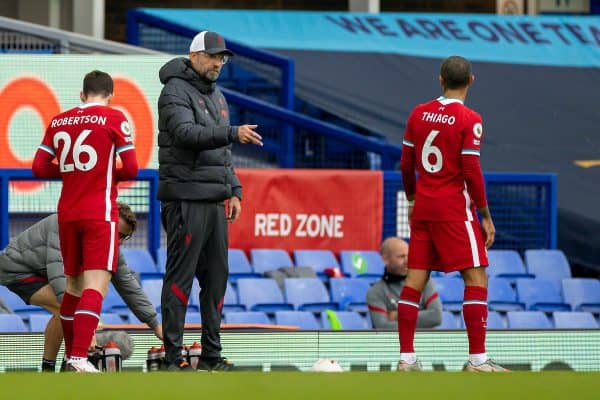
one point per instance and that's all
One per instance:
(88, 245)
(446, 246)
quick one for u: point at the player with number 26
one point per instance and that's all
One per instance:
(86, 141)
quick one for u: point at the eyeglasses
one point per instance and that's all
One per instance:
(124, 236)
(219, 56)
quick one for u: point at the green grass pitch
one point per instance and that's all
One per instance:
(301, 385)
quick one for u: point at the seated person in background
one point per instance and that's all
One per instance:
(32, 267)
(383, 296)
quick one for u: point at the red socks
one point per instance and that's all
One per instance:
(85, 322)
(408, 310)
(475, 313)
(67, 310)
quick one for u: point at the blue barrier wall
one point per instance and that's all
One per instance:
(523, 206)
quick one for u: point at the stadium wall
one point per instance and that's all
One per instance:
(577, 350)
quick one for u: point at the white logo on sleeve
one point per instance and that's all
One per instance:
(125, 128)
(478, 130)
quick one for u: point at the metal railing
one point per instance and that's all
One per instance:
(20, 36)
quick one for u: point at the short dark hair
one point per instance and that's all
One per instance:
(455, 72)
(99, 83)
(127, 215)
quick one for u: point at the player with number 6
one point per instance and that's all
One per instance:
(86, 141)
(442, 143)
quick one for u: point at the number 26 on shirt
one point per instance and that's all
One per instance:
(78, 149)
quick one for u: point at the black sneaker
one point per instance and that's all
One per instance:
(180, 365)
(214, 364)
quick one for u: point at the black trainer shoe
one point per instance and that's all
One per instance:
(214, 364)
(180, 365)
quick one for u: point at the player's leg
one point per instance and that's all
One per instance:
(461, 247)
(100, 255)
(53, 334)
(185, 226)
(420, 258)
(212, 274)
(70, 248)
(475, 312)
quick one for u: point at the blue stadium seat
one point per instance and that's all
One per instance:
(230, 302)
(161, 259)
(247, 317)
(111, 319)
(528, 320)
(495, 321)
(365, 264)
(193, 317)
(318, 260)
(451, 291)
(307, 294)
(574, 320)
(582, 293)
(113, 302)
(449, 321)
(17, 305)
(507, 264)
(264, 260)
(133, 319)
(540, 295)
(303, 319)
(140, 261)
(501, 296)
(239, 266)
(194, 299)
(350, 320)
(153, 289)
(453, 274)
(38, 322)
(548, 264)
(12, 323)
(349, 293)
(261, 294)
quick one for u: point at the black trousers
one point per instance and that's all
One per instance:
(196, 246)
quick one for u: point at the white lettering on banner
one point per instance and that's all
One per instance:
(306, 225)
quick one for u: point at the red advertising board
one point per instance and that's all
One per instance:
(309, 209)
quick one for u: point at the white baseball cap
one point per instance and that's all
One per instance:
(210, 43)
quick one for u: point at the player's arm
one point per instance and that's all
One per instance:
(129, 169)
(125, 149)
(42, 166)
(185, 133)
(408, 167)
(430, 312)
(471, 168)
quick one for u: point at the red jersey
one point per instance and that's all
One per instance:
(85, 140)
(442, 143)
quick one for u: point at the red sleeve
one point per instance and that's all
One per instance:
(125, 149)
(471, 166)
(42, 166)
(407, 161)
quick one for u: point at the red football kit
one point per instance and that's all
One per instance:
(86, 140)
(442, 142)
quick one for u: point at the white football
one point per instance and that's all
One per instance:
(327, 365)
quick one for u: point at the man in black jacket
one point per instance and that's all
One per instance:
(196, 178)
